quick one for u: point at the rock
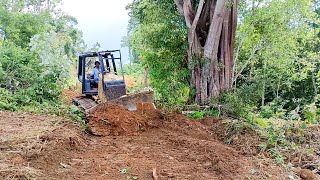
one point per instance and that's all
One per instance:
(289, 166)
(253, 171)
(291, 177)
(65, 165)
(170, 175)
(208, 164)
(307, 174)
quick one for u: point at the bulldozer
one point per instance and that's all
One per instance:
(111, 86)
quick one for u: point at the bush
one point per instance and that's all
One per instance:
(19, 67)
(233, 103)
(197, 115)
(267, 112)
(311, 112)
(7, 101)
(274, 108)
(213, 113)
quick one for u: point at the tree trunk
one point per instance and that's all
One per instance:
(211, 38)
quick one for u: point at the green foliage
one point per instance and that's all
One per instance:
(277, 155)
(277, 136)
(158, 38)
(197, 115)
(274, 109)
(278, 53)
(213, 113)
(19, 28)
(18, 66)
(135, 69)
(37, 46)
(7, 101)
(236, 103)
(124, 171)
(311, 112)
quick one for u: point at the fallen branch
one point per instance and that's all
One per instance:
(154, 174)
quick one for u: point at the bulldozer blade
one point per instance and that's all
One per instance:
(84, 103)
(130, 101)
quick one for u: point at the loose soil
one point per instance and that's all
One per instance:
(134, 145)
(111, 119)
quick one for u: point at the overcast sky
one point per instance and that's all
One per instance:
(102, 21)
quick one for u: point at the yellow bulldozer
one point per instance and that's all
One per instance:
(106, 82)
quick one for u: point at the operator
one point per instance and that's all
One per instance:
(95, 73)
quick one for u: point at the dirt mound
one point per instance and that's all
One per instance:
(180, 123)
(111, 119)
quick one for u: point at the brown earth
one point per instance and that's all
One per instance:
(131, 81)
(69, 93)
(111, 119)
(168, 146)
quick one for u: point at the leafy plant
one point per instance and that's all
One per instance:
(213, 113)
(124, 171)
(197, 115)
(7, 101)
(311, 113)
(277, 155)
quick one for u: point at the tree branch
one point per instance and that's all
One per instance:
(249, 60)
(195, 21)
(179, 4)
(213, 38)
(188, 11)
(235, 61)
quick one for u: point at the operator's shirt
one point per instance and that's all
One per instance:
(95, 73)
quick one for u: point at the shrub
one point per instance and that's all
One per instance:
(7, 101)
(311, 112)
(233, 103)
(197, 115)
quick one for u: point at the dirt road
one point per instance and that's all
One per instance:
(48, 147)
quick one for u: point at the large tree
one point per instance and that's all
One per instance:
(211, 38)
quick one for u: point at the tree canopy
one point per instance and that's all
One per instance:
(275, 62)
(37, 45)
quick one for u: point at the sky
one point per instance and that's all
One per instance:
(102, 21)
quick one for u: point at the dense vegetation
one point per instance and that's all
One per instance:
(38, 44)
(158, 41)
(276, 59)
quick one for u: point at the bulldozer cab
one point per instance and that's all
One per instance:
(111, 74)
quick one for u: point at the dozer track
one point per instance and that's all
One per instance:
(84, 103)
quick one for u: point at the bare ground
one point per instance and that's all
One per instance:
(48, 147)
